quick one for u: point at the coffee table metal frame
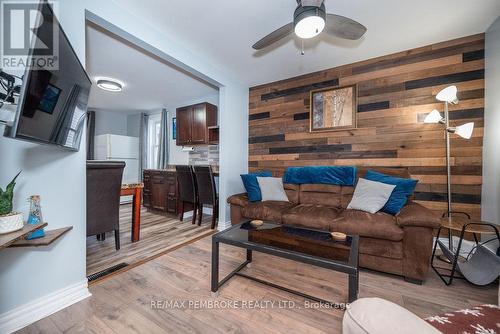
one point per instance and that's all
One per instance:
(351, 267)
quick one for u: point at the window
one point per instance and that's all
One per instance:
(154, 127)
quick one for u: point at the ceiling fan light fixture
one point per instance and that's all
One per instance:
(309, 21)
(309, 27)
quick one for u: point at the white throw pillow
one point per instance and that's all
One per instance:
(370, 196)
(272, 189)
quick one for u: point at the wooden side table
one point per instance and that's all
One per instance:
(134, 190)
(461, 224)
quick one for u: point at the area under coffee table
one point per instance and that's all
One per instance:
(309, 246)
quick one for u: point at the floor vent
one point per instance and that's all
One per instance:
(107, 271)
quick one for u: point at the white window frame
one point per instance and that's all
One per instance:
(154, 121)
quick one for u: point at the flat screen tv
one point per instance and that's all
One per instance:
(52, 103)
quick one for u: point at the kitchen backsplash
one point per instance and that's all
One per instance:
(204, 155)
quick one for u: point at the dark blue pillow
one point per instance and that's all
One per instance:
(252, 186)
(399, 197)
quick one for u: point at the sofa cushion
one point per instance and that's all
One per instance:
(310, 216)
(320, 194)
(292, 192)
(270, 210)
(373, 225)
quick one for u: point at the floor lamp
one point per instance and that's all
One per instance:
(449, 95)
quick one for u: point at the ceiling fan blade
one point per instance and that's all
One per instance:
(273, 37)
(315, 3)
(344, 27)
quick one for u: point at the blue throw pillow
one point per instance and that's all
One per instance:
(252, 186)
(399, 197)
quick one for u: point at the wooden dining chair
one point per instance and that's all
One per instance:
(207, 192)
(104, 181)
(188, 195)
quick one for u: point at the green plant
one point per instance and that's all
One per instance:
(7, 196)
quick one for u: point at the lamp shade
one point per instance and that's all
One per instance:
(465, 130)
(449, 94)
(433, 117)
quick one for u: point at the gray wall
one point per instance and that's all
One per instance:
(110, 122)
(133, 125)
(491, 158)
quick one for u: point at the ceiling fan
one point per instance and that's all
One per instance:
(309, 20)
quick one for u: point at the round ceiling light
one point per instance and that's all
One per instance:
(109, 85)
(309, 21)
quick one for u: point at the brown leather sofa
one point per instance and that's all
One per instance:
(400, 244)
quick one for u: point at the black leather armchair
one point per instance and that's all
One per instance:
(104, 179)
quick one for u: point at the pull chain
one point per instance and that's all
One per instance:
(302, 52)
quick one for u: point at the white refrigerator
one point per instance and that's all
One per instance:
(120, 148)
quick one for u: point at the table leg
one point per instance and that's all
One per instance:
(136, 215)
(249, 258)
(353, 287)
(215, 266)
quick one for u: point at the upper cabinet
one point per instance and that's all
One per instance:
(193, 123)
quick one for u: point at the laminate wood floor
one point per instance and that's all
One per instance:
(159, 232)
(122, 303)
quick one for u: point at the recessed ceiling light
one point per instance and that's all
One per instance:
(109, 85)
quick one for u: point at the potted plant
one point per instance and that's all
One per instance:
(9, 221)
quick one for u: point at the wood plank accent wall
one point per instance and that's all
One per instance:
(395, 92)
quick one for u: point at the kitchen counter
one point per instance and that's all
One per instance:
(215, 169)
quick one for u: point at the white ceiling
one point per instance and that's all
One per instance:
(149, 83)
(223, 31)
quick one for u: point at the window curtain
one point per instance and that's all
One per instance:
(163, 147)
(143, 143)
(90, 134)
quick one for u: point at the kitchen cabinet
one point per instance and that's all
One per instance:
(193, 124)
(161, 191)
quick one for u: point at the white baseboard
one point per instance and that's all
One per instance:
(40, 308)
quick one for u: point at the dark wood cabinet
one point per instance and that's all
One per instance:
(161, 191)
(193, 123)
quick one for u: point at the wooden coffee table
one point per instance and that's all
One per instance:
(309, 246)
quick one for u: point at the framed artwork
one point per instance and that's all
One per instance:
(174, 128)
(49, 99)
(333, 108)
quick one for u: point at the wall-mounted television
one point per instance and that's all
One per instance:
(52, 102)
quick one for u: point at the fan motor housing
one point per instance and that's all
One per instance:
(305, 11)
